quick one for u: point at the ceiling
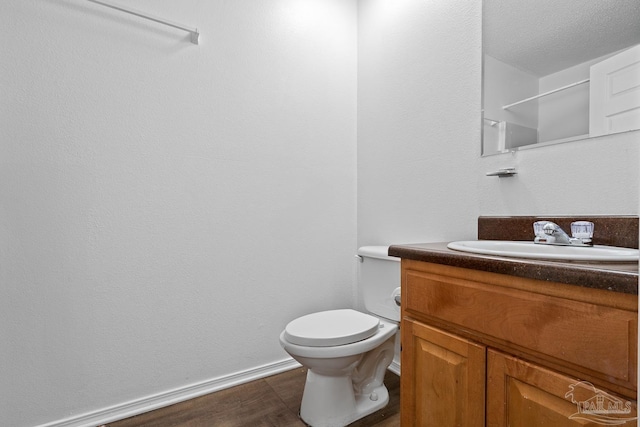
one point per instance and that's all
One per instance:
(545, 36)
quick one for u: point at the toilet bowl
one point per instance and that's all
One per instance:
(347, 352)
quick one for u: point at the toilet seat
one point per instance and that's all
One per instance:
(331, 328)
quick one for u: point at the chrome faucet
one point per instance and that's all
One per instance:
(550, 233)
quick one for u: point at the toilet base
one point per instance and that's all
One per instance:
(345, 383)
(330, 401)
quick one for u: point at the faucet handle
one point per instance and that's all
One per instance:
(582, 230)
(538, 228)
(541, 234)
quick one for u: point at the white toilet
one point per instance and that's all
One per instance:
(348, 352)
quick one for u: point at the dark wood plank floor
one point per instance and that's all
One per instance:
(273, 401)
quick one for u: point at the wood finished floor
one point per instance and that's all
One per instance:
(273, 401)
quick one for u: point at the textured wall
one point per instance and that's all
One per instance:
(418, 120)
(166, 208)
(598, 176)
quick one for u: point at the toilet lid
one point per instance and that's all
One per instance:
(331, 328)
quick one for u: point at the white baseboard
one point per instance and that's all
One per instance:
(395, 367)
(160, 400)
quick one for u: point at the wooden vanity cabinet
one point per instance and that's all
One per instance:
(481, 348)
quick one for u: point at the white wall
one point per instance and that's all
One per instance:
(418, 120)
(505, 84)
(166, 208)
(597, 176)
(564, 114)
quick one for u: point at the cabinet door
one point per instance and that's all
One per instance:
(443, 378)
(521, 394)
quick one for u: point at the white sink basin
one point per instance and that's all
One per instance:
(520, 249)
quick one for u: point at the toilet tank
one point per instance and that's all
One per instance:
(379, 281)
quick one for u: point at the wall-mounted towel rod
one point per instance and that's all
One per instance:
(506, 107)
(193, 31)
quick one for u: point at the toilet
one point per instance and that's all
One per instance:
(347, 352)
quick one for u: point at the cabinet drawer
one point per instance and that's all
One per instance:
(588, 336)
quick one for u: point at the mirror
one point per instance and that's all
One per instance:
(557, 71)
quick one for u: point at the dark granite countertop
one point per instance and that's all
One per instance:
(616, 277)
